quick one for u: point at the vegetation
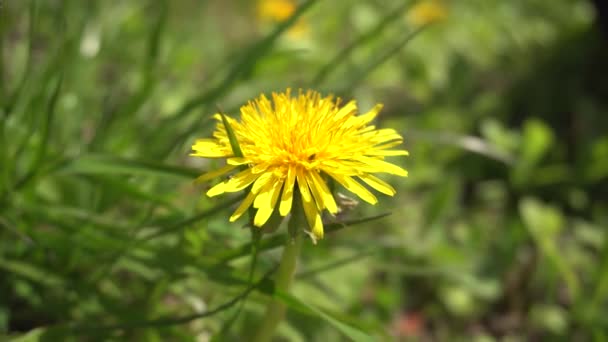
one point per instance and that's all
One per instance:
(499, 232)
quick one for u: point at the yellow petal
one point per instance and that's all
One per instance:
(348, 109)
(238, 161)
(263, 194)
(287, 197)
(218, 189)
(240, 181)
(213, 174)
(313, 218)
(382, 166)
(198, 143)
(268, 202)
(303, 186)
(237, 183)
(387, 153)
(378, 184)
(382, 135)
(261, 182)
(209, 148)
(259, 168)
(321, 192)
(243, 207)
(387, 145)
(356, 188)
(369, 116)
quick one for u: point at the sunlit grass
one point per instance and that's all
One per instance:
(498, 231)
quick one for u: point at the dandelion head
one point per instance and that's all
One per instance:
(427, 12)
(277, 11)
(293, 145)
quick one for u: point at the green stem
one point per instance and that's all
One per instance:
(275, 311)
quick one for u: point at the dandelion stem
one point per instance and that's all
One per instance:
(275, 311)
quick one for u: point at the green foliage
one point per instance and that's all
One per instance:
(500, 230)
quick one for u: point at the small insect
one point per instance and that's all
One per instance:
(345, 204)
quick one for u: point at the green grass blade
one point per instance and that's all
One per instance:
(352, 332)
(279, 240)
(189, 221)
(3, 88)
(109, 165)
(149, 74)
(18, 92)
(337, 264)
(168, 321)
(234, 143)
(380, 59)
(46, 134)
(244, 66)
(31, 272)
(361, 40)
(467, 143)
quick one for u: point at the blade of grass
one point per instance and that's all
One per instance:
(149, 72)
(241, 67)
(590, 308)
(26, 111)
(248, 60)
(4, 160)
(234, 143)
(279, 240)
(380, 59)
(3, 90)
(352, 332)
(338, 263)
(133, 190)
(46, 134)
(26, 270)
(4, 172)
(169, 321)
(189, 221)
(106, 164)
(256, 234)
(4, 222)
(361, 40)
(466, 142)
(18, 92)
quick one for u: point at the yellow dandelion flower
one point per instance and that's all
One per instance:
(276, 11)
(427, 12)
(299, 142)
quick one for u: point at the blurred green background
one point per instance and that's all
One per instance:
(499, 233)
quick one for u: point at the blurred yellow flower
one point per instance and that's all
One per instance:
(276, 11)
(297, 142)
(427, 12)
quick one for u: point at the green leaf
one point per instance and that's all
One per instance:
(42, 147)
(361, 40)
(245, 64)
(536, 141)
(380, 58)
(105, 164)
(234, 142)
(33, 335)
(31, 272)
(279, 239)
(264, 282)
(349, 331)
(537, 138)
(177, 226)
(545, 224)
(469, 143)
